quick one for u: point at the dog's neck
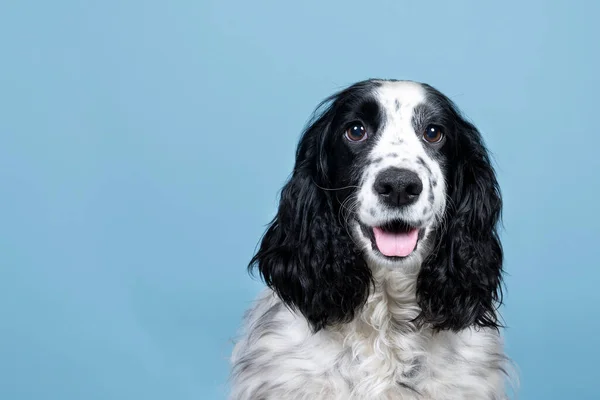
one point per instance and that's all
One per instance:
(385, 325)
(392, 304)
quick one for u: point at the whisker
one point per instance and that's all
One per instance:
(350, 209)
(347, 208)
(333, 189)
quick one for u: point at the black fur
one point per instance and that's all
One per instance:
(308, 257)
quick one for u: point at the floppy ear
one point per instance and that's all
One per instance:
(460, 284)
(306, 256)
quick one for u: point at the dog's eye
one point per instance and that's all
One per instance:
(433, 134)
(356, 132)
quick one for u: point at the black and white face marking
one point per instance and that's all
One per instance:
(388, 174)
(400, 195)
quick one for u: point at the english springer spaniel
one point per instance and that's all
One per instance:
(383, 263)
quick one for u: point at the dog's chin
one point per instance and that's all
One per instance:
(394, 243)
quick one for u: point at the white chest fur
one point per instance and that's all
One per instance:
(379, 355)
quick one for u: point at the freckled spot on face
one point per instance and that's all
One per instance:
(392, 155)
(397, 104)
(434, 182)
(377, 160)
(431, 198)
(424, 164)
(372, 211)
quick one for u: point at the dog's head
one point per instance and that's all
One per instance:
(388, 175)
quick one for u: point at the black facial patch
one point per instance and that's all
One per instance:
(366, 111)
(397, 103)
(355, 104)
(371, 113)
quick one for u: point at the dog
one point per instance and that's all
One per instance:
(383, 264)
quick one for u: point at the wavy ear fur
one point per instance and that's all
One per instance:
(306, 256)
(460, 283)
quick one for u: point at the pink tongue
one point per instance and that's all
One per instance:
(396, 244)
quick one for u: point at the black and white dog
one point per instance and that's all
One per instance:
(383, 262)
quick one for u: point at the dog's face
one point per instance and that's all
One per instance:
(387, 169)
(389, 175)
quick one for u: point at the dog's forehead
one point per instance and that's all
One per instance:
(394, 95)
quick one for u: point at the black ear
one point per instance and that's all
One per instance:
(460, 283)
(306, 256)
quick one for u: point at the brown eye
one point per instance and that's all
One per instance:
(356, 132)
(433, 134)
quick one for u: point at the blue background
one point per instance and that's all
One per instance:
(143, 143)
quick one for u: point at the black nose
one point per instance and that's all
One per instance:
(398, 187)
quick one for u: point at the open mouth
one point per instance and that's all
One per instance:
(395, 239)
